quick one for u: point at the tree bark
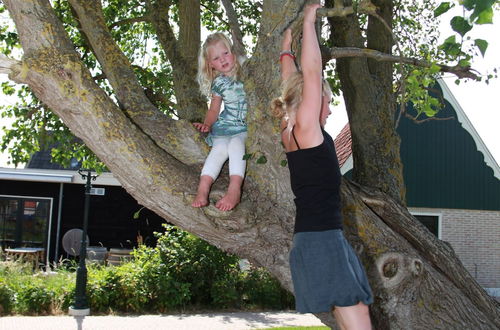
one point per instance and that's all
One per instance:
(182, 53)
(417, 281)
(366, 87)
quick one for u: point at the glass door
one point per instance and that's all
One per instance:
(23, 221)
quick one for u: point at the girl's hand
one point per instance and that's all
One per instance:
(204, 128)
(286, 43)
(310, 12)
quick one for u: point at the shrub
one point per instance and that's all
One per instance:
(163, 290)
(32, 298)
(264, 291)
(6, 299)
(226, 290)
(190, 260)
(182, 271)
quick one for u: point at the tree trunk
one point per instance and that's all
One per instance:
(367, 90)
(181, 53)
(417, 281)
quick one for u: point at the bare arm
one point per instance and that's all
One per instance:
(211, 116)
(287, 62)
(307, 123)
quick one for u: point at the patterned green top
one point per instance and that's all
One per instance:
(232, 120)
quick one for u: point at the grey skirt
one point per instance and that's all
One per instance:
(326, 272)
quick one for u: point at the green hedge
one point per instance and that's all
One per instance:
(181, 272)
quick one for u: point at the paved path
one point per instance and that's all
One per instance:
(219, 321)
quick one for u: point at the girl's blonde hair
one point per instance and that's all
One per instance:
(206, 74)
(287, 104)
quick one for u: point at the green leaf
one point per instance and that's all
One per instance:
(7, 89)
(482, 45)
(485, 17)
(284, 162)
(450, 46)
(464, 63)
(460, 25)
(247, 156)
(482, 7)
(261, 160)
(429, 112)
(443, 8)
(450, 39)
(434, 68)
(469, 4)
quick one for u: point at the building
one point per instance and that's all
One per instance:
(38, 206)
(452, 185)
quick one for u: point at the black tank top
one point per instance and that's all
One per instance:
(315, 179)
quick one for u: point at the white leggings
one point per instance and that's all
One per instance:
(232, 147)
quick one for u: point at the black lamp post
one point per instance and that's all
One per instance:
(81, 307)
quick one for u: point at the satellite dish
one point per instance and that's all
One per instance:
(72, 241)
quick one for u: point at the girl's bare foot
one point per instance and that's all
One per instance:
(229, 201)
(233, 194)
(201, 198)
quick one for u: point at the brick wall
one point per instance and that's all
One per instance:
(475, 237)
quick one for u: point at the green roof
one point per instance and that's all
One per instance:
(443, 167)
(445, 162)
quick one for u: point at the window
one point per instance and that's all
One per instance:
(23, 221)
(431, 222)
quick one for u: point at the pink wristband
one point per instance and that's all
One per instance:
(287, 54)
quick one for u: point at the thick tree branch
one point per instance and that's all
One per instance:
(153, 177)
(410, 291)
(338, 11)
(7, 64)
(436, 251)
(235, 28)
(191, 105)
(189, 32)
(129, 91)
(346, 52)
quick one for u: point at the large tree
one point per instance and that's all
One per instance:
(136, 119)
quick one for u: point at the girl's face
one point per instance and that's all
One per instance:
(220, 58)
(325, 108)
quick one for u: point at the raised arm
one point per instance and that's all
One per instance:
(287, 59)
(307, 122)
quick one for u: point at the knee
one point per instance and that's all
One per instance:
(219, 153)
(353, 317)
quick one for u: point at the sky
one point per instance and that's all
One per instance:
(480, 102)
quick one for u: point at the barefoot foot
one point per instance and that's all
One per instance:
(233, 194)
(201, 198)
(229, 201)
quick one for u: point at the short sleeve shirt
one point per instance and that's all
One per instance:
(232, 119)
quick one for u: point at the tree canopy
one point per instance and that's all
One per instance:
(415, 32)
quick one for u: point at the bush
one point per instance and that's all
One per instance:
(226, 290)
(6, 299)
(33, 299)
(182, 271)
(190, 260)
(264, 291)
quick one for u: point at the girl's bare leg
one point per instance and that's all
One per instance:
(201, 198)
(355, 317)
(233, 194)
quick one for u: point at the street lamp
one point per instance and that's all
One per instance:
(81, 307)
